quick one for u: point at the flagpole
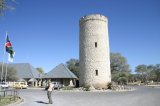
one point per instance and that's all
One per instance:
(3, 57)
(5, 73)
(2, 68)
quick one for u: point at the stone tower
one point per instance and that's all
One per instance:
(94, 51)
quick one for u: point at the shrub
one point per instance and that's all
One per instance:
(87, 88)
(109, 85)
(122, 80)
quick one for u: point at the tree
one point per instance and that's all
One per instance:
(6, 4)
(11, 73)
(134, 78)
(40, 70)
(73, 66)
(157, 72)
(148, 72)
(118, 63)
(119, 68)
(120, 77)
(144, 71)
(151, 72)
(2, 5)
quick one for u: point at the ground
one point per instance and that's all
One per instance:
(142, 96)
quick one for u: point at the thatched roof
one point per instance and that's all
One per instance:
(60, 71)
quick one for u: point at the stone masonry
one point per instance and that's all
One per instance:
(94, 51)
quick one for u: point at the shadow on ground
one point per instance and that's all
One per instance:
(41, 102)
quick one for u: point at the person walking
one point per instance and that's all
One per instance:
(49, 91)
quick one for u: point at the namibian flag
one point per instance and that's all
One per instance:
(9, 49)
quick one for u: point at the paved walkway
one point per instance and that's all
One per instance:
(143, 96)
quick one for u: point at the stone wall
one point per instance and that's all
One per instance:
(94, 51)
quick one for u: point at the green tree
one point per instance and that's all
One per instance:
(6, 4)
(157, 72)
(2, 6)
(135, 77)
(148, 72)
(118, 63)
(73, 66)
(151, 72)
(11, 73)
(40, 70)
(120, 77)
(142, 70)
(131, 78)
(119, 68)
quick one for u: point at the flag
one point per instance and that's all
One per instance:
(9, 49)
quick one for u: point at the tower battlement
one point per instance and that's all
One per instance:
(93, 17)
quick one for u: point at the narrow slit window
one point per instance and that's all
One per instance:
(96, 72)
(95, 44)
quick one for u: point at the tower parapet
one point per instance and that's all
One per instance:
(93, 17)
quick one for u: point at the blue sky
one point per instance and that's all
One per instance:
(45, 33)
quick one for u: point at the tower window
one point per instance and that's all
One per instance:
(95, 44)
(96, 72)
